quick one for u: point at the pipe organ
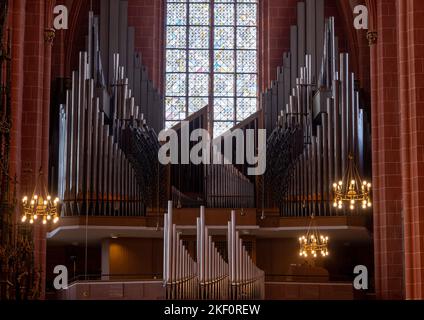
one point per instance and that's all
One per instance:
(210, 277)
(227, 187)
(314, 117)
(247, 280)
(180, 271)
(213, 185)
(212, 269)
(107, 152)
(116, 36)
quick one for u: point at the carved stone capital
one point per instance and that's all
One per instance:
(49, 35)
(372, 37)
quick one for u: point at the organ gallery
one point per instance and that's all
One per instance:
(210, 150)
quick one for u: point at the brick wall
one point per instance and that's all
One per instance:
(411, 102)
(276, 17)
(30, 103)
(386, 155)
(146, 16)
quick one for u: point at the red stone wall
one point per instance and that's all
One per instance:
(147, 16)
(411, 105)
(386, 132)
(276, 17)
(397, 80)
(31, 63)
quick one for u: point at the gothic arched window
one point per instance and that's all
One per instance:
(211, 59)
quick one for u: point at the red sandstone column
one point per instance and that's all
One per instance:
(411, 90)
(388, 234)
(17, 23)
(46, 85)
(34, 107)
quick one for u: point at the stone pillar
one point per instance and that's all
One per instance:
(35, 112)
(411, 94)
(386, 163)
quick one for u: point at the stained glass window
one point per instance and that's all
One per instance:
(211, 59)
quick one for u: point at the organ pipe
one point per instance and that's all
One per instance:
(327, 109)
(210, 277)
(110, 151)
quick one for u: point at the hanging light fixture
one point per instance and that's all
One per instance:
(41, 206)
(313, 244)
(352, 190)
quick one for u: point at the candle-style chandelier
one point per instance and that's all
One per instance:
(41, 206)
(352, 190)
(313, 244)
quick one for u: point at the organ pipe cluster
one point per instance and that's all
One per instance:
(212, 269)
(210, 277)
(214, 185)
(179, 270)
(247, 280)
(227, 187)
(315, 94)
(107, 152)
(96, 177)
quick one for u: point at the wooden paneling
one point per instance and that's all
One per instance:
(141, 257)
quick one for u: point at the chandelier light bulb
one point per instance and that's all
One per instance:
(41, 206)
(356, 190)
(313, 244)
(37, 208)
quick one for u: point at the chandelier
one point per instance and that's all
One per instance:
(352, 190)
(313, 244)
(41, 206)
